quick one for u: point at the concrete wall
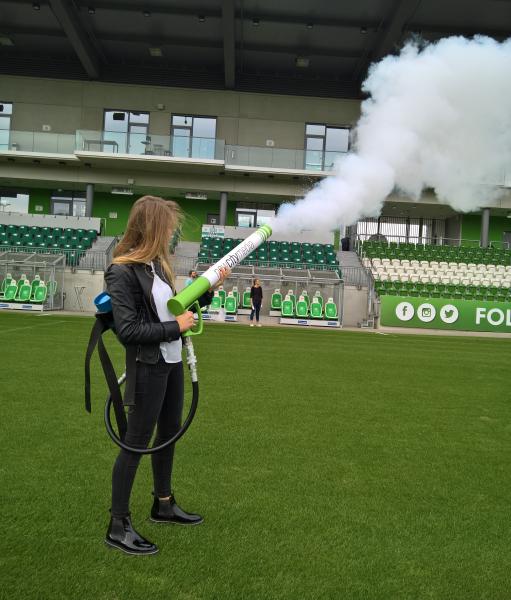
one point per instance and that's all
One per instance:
(242, 118)
(93, 284)
(322, 237)
(8, 218)
(453, 227)
(355, 306)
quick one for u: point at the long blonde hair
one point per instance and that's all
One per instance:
(150, 226)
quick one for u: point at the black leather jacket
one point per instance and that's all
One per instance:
(135, 317)
(136, 321)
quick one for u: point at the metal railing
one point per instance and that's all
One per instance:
(89, 260)
(356, 276)
(425, 241)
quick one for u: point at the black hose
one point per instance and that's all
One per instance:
(172, 440)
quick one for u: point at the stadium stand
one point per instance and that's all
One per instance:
(273, 254)
(457, 272)
(71, 242)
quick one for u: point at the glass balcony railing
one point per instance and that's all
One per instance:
(114, 142)
(38, 141)
(280, 158)
(199, 148)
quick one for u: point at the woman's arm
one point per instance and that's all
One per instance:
(123, 288)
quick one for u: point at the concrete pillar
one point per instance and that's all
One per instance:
(223, 207)
(485, 227)
(89, 199)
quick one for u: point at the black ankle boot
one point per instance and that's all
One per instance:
(121, 535)
(167, 511)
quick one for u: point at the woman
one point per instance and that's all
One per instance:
(256, 298)
(140, 282)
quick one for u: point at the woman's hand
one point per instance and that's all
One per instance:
(185, 321)
(224, 273)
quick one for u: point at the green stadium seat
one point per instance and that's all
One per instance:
(276, 300)
(292, 297)
(288, 307)
(24, 291)
(302, 309)
(316, 309)
(216, 302)
(246, 301)
(230, 304)
(41, 293)
(379, 288)
(330, 310)
(318, 298)
(10, 291)
(5, 283)
(35, 284)
(236, 295)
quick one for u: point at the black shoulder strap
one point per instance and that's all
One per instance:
(100, 326)
(95, 335)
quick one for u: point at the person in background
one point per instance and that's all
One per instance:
(191, 276)
(256, 297)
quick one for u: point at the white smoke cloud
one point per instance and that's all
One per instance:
(437, 117)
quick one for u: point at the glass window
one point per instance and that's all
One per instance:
(116, 120)
(337, 139)
(315, 129)
(139, 117)
(252, 214)
(200, 130)
(204, 127)
(68, 203)
(126, 132)
(265, 217)
(323, 145)
(182, 120)
(61, 208)
(245, 219)
(14, 202)
(5, 124)
(79, 208)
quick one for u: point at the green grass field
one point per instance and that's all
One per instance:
(328, 465)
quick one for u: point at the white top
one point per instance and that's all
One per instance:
(162, 293)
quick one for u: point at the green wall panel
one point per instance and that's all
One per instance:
(39, 197)
(106, 204)
(471, 227)
(195, 211)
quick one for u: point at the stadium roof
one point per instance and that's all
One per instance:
(304, 47)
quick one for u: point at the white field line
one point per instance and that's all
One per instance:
(2, 331)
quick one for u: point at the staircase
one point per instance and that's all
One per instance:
(352, 269)
(189, 249)
(185, 257)
(99, 256)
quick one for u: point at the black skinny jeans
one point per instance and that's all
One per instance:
(158, 401)
(256, 310)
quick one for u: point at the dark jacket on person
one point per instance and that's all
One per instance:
(256, 294)
(136, 320)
